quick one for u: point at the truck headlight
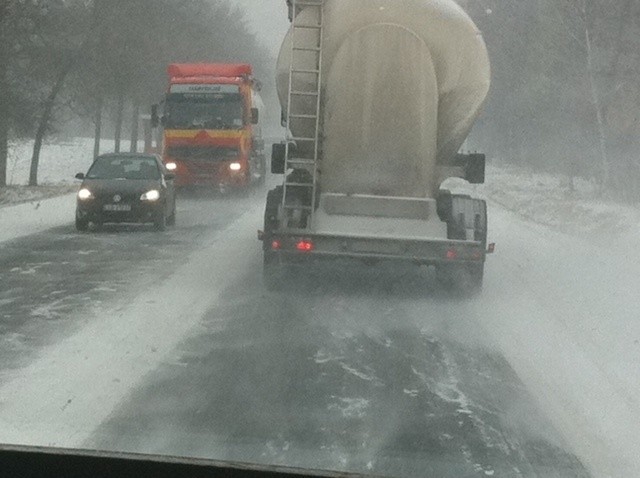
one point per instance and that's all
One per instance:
(235, 166)
(171, 166)
(152, 195)
(84, 194)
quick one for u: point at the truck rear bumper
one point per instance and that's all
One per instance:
(302, 246)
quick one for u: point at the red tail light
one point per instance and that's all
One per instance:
(305, 246)
(276, 245)
(452, 254)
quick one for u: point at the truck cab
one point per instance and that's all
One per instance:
(211, 130)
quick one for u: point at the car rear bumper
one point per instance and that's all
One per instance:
(302, 246)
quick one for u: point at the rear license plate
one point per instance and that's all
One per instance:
(118, 207)
(375, 247)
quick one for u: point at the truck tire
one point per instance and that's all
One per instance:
(465, 279)
(273, 273)
(272, 208)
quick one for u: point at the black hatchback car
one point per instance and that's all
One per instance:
(126, 188)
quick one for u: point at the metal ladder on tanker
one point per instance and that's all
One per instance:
(303, 109)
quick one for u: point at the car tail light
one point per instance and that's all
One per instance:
(452, 254)
(305, 246)
(276, 245)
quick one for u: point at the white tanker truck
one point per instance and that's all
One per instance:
(378, 96)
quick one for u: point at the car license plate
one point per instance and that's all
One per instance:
(118, 207)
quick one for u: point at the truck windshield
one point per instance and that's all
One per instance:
(204, 111)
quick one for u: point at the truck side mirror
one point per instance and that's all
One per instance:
(278, 156)
(255, 115)
(155, 119)
(475, 170)
(80, 176)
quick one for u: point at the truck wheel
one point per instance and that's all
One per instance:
(82, 225)
(273, 273)
(466, 279)
(160, 222)
(274, 199)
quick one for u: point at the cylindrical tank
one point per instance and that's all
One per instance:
(403, 82)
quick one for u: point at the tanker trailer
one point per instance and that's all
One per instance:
(378, 97)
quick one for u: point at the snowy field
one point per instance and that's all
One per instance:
(547, 199)
(59, 161)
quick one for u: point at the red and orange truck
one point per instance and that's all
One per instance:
(211, 131)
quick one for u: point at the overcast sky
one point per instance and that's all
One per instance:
(268, 18)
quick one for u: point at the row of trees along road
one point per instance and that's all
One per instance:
(63, 60)
(566, 88)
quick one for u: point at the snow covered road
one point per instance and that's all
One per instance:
(136, 341)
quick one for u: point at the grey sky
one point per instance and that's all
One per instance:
(268, 18)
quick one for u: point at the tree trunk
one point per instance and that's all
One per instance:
(118, 125)
(44, 122)
(98, 131)
(597, 104)
(4, 149)
(614, 67)
(135, 120)
(4, 93)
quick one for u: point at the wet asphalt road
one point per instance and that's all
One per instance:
(373, 371)
(51, 283)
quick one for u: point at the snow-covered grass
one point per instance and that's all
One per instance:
(59, 160)
(12, 195)
(550, 200)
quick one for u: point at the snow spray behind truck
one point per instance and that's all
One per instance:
(212, 135)
(378, 97)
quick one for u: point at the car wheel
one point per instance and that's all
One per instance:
(160, 222)
(171, 220)
(98, 225)
(82, 225)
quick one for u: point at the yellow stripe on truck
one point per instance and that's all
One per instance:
(192, 134)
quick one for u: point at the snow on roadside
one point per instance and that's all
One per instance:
(547, 199)
(564, 309)
(561, 302)
(12, 195)
(564, 312)
(59, 161)
(36, 216)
